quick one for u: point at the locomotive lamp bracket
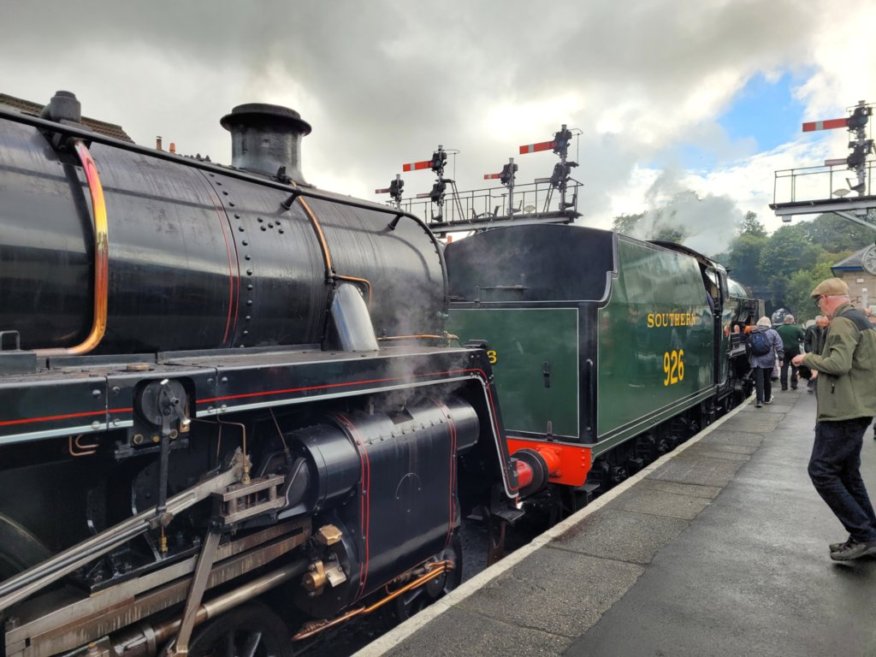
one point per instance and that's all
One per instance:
(287, 204)
(283, 177)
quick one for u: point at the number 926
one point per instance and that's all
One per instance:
(673, 366)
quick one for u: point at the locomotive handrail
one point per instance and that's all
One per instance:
(101, 257)
(89, 136)
(320, 236)
(330, 274)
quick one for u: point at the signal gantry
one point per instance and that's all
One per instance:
(803, 191)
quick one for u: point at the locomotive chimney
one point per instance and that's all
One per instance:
(267, 139)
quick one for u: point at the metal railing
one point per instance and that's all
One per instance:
(530, 199)
(819, 183)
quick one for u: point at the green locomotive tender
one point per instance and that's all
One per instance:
(602, 345)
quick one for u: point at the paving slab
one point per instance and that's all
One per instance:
(702, 471)
(724, 436)
(621, 535)
(556, 591)
(714, 451)
(694, 490)
(465, 632)
(662, 503)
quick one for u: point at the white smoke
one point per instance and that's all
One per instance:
(708, 223)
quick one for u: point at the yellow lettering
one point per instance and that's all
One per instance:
(673, 367)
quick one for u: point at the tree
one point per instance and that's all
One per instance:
(801, 283)
(751, 226)
(834, 233)
(743, 259)
(787, 251)
(782, 268)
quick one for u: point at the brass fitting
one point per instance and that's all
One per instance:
(328, 535)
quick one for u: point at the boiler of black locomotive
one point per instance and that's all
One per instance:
(197, 259)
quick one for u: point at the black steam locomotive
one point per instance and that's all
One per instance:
(216, 384)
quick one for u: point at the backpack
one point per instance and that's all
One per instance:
(858, 318)
(760, 343)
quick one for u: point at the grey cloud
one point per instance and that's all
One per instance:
(383, 82)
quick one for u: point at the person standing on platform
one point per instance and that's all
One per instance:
(764, 347)
(813, 342)
(792, 339)
(846, 395)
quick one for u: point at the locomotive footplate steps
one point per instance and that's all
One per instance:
(719, 548)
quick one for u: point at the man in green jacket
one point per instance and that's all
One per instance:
(792, 337)
(846, 395)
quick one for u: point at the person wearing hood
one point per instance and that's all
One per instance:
(846, 397)
(764, 348)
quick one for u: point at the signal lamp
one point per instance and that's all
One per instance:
(859, 117)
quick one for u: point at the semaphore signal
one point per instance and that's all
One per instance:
(860, 146)
(561, 175)
(396, 186)
(439, 188)
(506, 177)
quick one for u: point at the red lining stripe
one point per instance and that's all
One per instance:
(66, 416)
(365, 503)
(451, 506)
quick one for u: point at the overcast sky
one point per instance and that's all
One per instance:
(669, 97)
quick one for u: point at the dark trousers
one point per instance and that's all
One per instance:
(835, 470)
(786, 365)
(762, 385)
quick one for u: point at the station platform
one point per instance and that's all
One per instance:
(717, 549)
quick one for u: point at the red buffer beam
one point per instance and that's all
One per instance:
(829, 124)
(417, 166)
(535, 148)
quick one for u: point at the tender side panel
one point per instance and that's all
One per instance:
(534, 352)
(655, 341)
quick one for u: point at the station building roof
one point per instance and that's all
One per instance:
(100, 127)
